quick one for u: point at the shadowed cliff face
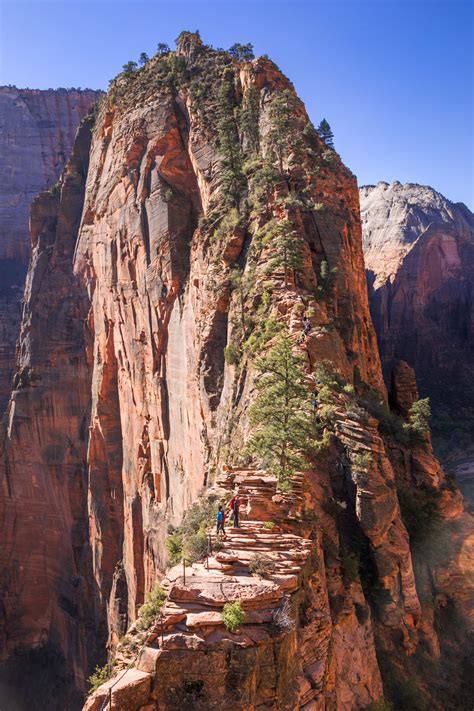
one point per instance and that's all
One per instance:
(170, 268)
(49, 630)
(419, 252)
(37, 130)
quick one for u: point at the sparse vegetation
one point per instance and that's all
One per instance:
(233, 616)
(148, 612)
(268, 526)
(190, 539)
(419, 417)
(100, 676)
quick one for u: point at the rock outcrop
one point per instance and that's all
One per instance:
(419, 254)
(37, 130)
(213, 218)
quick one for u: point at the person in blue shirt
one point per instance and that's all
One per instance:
(220, 522)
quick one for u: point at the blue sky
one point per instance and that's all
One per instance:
(393, 77)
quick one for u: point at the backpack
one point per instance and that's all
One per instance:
(231, 503)
(220, 517)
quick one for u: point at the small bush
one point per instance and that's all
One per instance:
(148, 612)
(261, 565)
(361, 461)
(196, 546)
(231, 354)
(233, 616)
(174, 547)
(419, 416)
(268, 526)
(100, 676)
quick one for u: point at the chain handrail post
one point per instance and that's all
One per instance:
(184, 571)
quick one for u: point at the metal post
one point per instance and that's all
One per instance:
(162, 630)
(110, 699)
(184, 571)
(210, 545)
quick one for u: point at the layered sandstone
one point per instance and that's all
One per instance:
(144, 409)
(49, 626)
(37, 130)
(419, 254)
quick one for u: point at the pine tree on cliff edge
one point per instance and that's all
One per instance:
(324, 130)
(284, 428)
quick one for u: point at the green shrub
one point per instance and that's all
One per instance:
(231, 354)
(233, 616)
(148, 612)
(419, 416)
(174, 547)
(361, 461)
(196, 546)
(100, 676)
(268, 526)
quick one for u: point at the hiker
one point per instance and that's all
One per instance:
(234, 505)
(306, 325)
(220, 522)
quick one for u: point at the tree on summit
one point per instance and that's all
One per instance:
(129, 68)
(324, 130)
(143, 59)
(242, 52)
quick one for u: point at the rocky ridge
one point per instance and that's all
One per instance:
(179, 292)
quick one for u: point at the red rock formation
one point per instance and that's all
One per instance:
(164, 410)
(37, 131)
(50, 617)
(419, 253)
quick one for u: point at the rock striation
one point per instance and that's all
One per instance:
(419, 254)
(37, 130)
(159, 275)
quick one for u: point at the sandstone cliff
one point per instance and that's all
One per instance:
(204, 170)
(37, 131)
(419, 253)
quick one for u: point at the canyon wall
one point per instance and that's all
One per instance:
(419, 253)
(213, 217)
(37, 130)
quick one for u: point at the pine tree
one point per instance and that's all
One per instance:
(249, 118)
(162, 49)
(143, 59)
(285, 247)
(129, 68)
(324, 130)
(284, 423)
(242, 52)
(284, 136)
(232, 177)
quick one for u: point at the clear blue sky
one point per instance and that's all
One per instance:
(393, 77)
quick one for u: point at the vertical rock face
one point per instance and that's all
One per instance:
(37, 131)
(156, 309)
(49, 628)
(419, 254)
